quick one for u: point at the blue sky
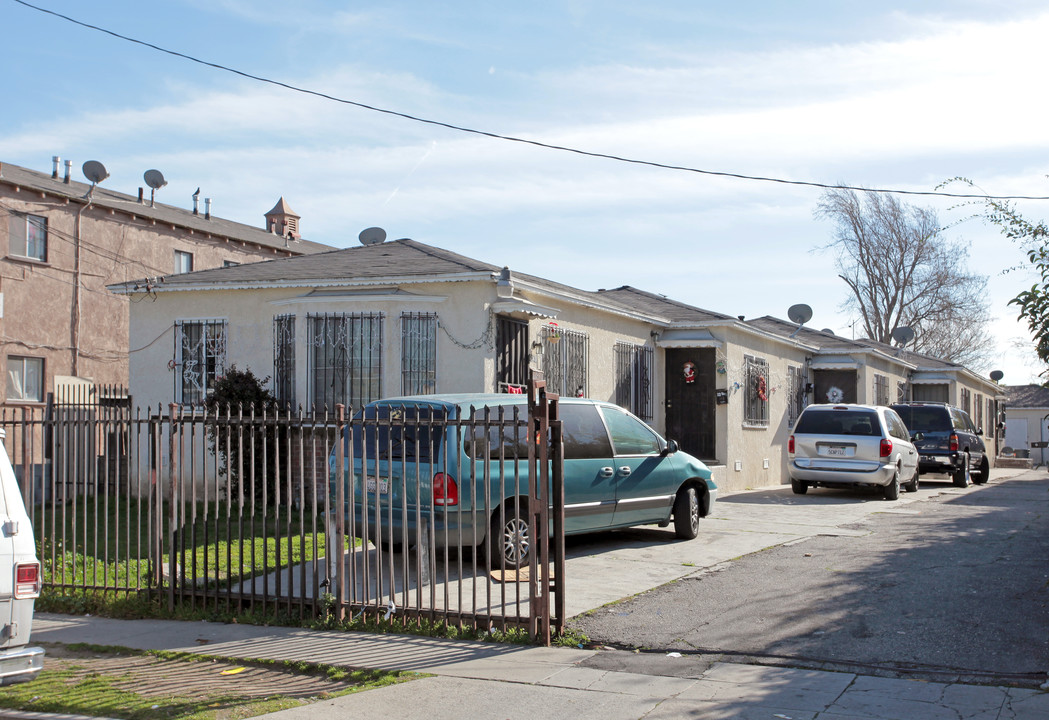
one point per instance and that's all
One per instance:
(891, 94)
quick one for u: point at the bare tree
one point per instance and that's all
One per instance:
(901, 271)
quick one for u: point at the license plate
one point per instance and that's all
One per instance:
(838, 451)
(384, 485)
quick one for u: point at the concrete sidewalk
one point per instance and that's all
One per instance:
(485, 680)
(470, 679)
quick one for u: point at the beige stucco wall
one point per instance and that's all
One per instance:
(753, 456)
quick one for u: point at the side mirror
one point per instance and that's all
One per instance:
(671, 447)
(979, 431)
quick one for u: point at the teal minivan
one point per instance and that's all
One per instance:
(452, 470)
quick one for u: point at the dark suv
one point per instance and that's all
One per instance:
(951, 443)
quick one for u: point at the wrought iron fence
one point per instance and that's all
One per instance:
(239, 509)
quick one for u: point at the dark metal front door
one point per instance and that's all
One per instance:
(690, 400)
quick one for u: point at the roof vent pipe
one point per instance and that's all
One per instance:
(141, 195)
(69, 171)
(207, 208)
(195, 196)
(56, 161)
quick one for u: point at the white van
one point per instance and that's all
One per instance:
(20, 581)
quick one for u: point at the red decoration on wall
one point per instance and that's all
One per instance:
(762, 390)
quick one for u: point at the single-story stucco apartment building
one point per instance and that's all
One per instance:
(402, 317)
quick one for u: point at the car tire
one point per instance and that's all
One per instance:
(800, 487)
(984, 473)
(961, 475)
(510, 540)
(892, 490)
(686, 513)
(912, 486)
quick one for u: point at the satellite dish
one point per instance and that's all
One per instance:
(372, 236)
(997, 375)
(799, 314)
(95, 171)
(155, 179)
(903, 335)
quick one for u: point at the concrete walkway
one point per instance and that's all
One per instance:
(469, 679)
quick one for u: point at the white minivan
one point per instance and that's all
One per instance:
(20, 581)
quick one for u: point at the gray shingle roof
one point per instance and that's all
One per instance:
(658, 305)
(168, 214)
(825, 341)
(395, 259)
(399, 259)
(1030, 396)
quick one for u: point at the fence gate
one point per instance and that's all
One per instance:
(238, 510)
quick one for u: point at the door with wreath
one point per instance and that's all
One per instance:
(834, 386)
(690, 400)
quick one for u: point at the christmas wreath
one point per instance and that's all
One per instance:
(762, 390)
(835, 395)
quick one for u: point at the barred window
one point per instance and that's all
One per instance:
(902, 391)
(755, 392)
(967, 400)
(418, 353)
(978, 408)
(633, 378)
(795, 394)
(511, 354)
(565, 360)
(881, 390)
(200, 356)
(344, 360)
(284, 360)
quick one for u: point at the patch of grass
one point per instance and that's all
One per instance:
(88, 684)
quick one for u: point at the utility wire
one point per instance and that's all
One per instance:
(515, 139)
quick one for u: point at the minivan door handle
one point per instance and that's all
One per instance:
(625, 470)
(606, 472)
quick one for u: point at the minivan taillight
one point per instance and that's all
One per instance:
(445, 490)
(790, 445)
(27, 580)
(886, 447)
(953, 442)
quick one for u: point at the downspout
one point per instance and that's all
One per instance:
(74, 323)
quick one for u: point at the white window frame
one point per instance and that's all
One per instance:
(183, 262)
(28, 237)
(19, 377)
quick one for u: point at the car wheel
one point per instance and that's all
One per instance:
(912, 486)
(800, 487)
(510, 539)
(892, 490)
(984, 473)
(686, 513)
(961, 475)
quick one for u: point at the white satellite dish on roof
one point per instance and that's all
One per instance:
(155, 180)
(903, 335)
(799, 314)
(372, 236)
(95, 171)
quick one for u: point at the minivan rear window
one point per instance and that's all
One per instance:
(838, 422)
(414, 432)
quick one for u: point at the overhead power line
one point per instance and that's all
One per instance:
(515, 139)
